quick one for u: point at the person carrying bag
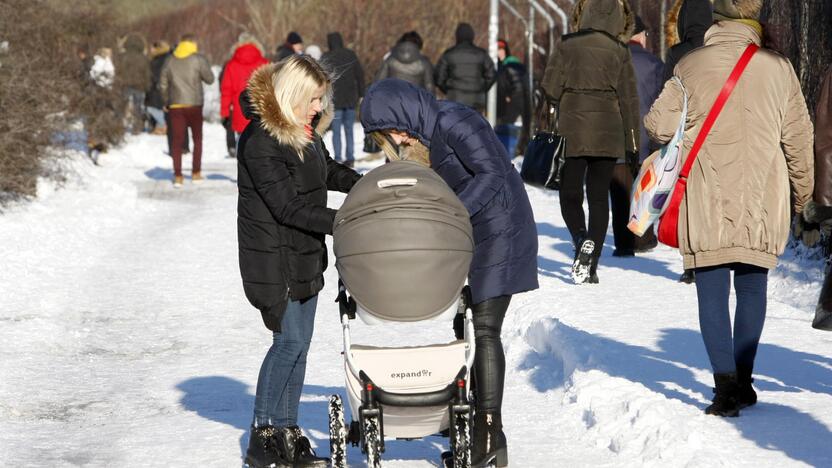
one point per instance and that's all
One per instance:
(748, 165)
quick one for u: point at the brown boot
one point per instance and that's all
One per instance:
(197, 178)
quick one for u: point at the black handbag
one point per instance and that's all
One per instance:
(545, 155)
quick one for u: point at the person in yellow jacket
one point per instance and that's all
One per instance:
(181, 88)
(754, 169)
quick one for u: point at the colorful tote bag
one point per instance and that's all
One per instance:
(658, 175)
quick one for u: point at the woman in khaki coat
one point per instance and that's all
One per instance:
(736, 211)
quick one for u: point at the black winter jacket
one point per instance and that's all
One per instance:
(154, 95)
(407, 63)
(349, 82)
(695, 17)
(282, 216)
(512, 91)
(465, 72)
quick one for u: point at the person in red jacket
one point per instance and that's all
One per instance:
(248, 56)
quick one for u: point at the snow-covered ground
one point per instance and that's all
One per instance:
(125, 340)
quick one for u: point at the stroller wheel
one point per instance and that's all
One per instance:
(461, 440)
(372, 441)
(337, 433)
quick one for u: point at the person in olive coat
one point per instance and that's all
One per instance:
(459, 144)
(284, 172)
(590, 78)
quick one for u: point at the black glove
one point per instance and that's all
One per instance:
(633, 162)
(816, 213)
(807, 232)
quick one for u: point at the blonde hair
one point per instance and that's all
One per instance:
(297, 79)
(414, 152)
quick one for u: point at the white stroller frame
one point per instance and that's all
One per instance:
(425, 408)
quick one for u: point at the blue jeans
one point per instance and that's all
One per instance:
(343, 117)
(507, 134)
(281, 375)
(158, 116)
(713, 286)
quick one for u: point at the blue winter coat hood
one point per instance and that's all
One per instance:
(394, 104)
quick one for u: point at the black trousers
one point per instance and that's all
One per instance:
(621, 190)
(490, 360)
(595, 173)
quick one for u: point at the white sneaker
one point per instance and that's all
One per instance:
(583, 262)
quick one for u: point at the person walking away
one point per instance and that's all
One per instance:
(590, 78)
(406, 62)
(247, 57)
(466, 153)
(284, 172)
(512, 98)
(348, 89)
(181, 86)
(292, 46)
(133, 80)
(154, 103)
(691, 19)
(649, 83)
(736, 212)
(465, 72)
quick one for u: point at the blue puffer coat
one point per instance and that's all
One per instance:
(466, 153)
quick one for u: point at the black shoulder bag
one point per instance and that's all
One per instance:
(546, 154)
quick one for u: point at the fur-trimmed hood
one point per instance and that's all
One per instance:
(614, 17)
(260, 104)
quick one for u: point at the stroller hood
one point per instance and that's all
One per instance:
(403, 243)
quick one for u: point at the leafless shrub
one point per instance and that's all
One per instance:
(41, 92)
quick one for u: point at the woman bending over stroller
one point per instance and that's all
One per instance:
(284, 173)
(456, 142)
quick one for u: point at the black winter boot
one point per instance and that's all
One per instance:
(263, 451)
(489, 442)
(725, 399)
(688, 277)
(593, 270)
(746, 396)
(297, 449)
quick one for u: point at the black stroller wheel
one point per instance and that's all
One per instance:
(372, 441)
(337, 433)
(461, 440)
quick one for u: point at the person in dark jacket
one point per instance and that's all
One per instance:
(693, 19)
(466, 153)
(649, 83)
(133, 79)
(154, 103)
(181, 87)
(292, 46)
(407, 63)
(590, 77)
(284, 172)
(512, 98)
(349, 88)
(465, 72)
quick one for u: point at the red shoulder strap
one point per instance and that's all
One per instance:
(716, 109)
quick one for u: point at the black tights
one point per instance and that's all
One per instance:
(597, 173)
(489, 360)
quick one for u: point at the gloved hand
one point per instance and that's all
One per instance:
(633, 162)
(817, 213)
(807, 232)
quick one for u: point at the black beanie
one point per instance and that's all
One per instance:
(640, 26)
(294, 38)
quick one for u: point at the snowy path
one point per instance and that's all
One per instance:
(125, 340)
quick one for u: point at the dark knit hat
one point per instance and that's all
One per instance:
(640, 26)
(294, 38)
(737, 9)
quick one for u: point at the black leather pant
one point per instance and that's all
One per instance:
(490, 360)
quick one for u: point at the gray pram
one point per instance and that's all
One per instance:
(403, 247)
